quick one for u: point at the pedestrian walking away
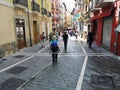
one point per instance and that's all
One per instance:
(76, 34)
(57, 34)
(65, 40)
(54, 49)
(90, 38)
(51, 35)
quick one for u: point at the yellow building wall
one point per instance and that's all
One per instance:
(7, 33)
(49, 19)
(9, 1)
(49, 5)
(30, 5)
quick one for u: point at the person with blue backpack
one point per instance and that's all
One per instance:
(54, 49)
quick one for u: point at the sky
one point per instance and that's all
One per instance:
(69, 4)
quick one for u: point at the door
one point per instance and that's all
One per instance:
(107, 28)
(35, 31)
(20, 31)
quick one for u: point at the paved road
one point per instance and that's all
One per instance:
(80, 68)
(62, 76)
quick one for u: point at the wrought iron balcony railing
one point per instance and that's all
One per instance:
(21, 2)
(44, 11)
(35, 6)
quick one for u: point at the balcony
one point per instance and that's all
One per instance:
(103, 3)
(49, 14)
(44, 11)
(23, 4)
(35, 7)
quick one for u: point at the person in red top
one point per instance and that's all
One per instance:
(42, 37)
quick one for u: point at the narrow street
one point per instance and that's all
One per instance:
(80, 68)
(30, 29)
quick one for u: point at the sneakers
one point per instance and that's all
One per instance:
(54, 61)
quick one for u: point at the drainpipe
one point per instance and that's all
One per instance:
(29, 26)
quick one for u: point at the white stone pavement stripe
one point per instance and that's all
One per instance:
(33, 77)
(75, 54)
(16, 63)
(80, 80)
(2, 70)
(36, 75)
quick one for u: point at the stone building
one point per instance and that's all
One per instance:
(22, 22)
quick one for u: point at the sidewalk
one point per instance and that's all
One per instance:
(21, 67)
(40, 74)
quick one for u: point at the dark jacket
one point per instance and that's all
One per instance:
(65, 36)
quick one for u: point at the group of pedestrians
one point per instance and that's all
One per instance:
(53, 39)
(90, 39)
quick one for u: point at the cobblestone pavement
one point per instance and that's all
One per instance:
(102, 70)
(80, 68)
(62, 76)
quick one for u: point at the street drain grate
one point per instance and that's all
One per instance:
(102, 81)
(11, 84)
(4, 59)
(19, 56)
(1, 62)
(16, 70)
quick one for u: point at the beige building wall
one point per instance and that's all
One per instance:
(7, 33)
(9, 13)
(44, 24)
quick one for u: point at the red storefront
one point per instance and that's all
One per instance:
(104, 23)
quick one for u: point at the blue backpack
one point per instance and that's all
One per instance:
(54, 46)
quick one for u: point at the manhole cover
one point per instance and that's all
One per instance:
(102, 81)
(1, 62)
(4, 59)
(19, 56)
(16, 70)
(11, 84)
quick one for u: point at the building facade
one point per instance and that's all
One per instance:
(81, 17)
(105, 18)
(55, 14)
(22, 23)
(102, 17)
